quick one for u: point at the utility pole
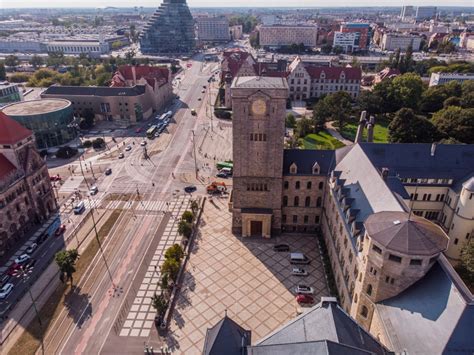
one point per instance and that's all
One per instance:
(82, 171)
(194, 148)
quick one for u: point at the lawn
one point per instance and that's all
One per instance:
(322, 140)
(380, 131)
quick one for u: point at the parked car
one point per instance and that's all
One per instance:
(193, 112)
(128, 148)
(31, 248)
(108, 171)
(203, 91)
(30, 264)
(304, 299)
(222, 174)
(304, 290)
(299, 272)
(143, 143)
(199, 99)
(94, 190)
(4, 279)
(121, 156)
(281, 247)
(13, 268)
(22, 258)
(157, 134)
(299, 258)
(60, 230)
(190, 188)
(6, 290)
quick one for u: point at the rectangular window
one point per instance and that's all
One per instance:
(305, 219)
(376, 249)
(394, 258)
(283, 218)
(295, 218)
(316, 219)
(415, 262)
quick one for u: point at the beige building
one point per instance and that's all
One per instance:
(393, 41)
(286, 35)
(213, 29)
(26, 195)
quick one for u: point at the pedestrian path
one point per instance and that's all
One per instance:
(140, 318)
(149, 206)
(71, 184)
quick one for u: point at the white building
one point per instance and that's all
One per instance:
(93, 48)
(286, 35)
(393, 41)
(442, 78)
(213, 29)
(425, 12)
(346, 40)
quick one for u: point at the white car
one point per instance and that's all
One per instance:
(299, 272)
(22, 258)
(6, 290)
(304, 290)
(143, 143)
(31, 248)
(129, 147)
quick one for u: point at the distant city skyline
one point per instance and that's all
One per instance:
(218, 3)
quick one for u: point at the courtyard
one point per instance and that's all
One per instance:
(244, 278)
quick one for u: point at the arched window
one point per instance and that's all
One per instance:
(296, 201)
(285, 201)
(308, 185)
(297, 185)
(307, 201)
(369, 289)
(321, 185)
(318, 202)
(285, 185)
(364, 312)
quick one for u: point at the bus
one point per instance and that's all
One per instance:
(166, 116)
(150, 133)
(225, 164)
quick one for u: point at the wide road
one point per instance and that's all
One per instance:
(84, 325)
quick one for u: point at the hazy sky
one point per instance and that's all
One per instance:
(229, 3)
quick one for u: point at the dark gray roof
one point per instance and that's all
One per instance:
(94, 91)
(322, 347)
(450, 161)
(257, 210)
(305, 159)
(432, 316)
(325, 321)
(407, 234)
(226, 337)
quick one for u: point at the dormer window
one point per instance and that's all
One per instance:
(293, 169)
(316, 169)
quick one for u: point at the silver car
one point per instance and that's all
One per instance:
(299, 272)
(304, 290)
(6, 290)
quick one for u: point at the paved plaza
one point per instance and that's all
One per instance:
(246, 278)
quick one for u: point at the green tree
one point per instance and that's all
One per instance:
(194, 208)
(3, 72)
(11, 61)
(467, 257)
(290, 121)
(98, 143)
(184, 229)
(254, 39)
(187, 216)
(170, 267)
(159, 303)
(87, 120)
(456, 122)
(19, 78)
(432, 99)
(409, 88)
(338, 50)
(326, 48)
(117, 45)
(303, 127)
(66, 261)
(340, 106)
(103, 79)
(175, 252)
(406, 127)
(36, 61)
(370, 102)
(452, 101)
(467, 94)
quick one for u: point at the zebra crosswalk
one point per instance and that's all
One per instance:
(153, 206)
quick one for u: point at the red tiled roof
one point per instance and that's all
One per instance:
(11, 131)
(6, 167)
(334, 72)
(233, 61)
(149, 73)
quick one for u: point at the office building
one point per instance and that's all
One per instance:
(393, 41)
(213, 29)
(425, 13)
(170, 30)
(286, 35)
(9, 93)
(91, 48)
(26, 194)
(443, 78)
(347, 41)
(362, 33)
(50, 120)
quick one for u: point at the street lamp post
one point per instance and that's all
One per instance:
(194, 148)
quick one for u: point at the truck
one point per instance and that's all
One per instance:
(216, 187)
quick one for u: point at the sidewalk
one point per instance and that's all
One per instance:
(333, 132)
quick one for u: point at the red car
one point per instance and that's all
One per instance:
(13, 268)
(304, 299)
(60, 230)
(55, 178)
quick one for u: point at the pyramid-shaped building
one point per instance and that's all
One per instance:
(170, 30)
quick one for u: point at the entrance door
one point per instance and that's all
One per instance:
(256, 228)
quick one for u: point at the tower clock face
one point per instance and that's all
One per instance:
(259, 107)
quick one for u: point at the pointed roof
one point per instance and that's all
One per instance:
(226, 337)
(6, 166)
(11, 131)
(406, 234)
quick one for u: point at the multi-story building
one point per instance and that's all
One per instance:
(236, 32)
(347, 41)
(286, 35)
(213, 29)
(91, 48)
(170, 30)
(309, 81)
(362, 34)
(9, 93)
(443, 78)
(26, 195)
(425, 13)
(390, 215)
(392, 41)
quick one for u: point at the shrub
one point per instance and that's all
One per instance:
(66, 152)
(98, 143)
(170, 267)
(185, 229)
(174, 252)
(87, 144)
(187, 216)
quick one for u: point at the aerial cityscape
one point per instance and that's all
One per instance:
(180, 177)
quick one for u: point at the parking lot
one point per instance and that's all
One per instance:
(245, 278)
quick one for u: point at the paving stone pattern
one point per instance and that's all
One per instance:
(243, 276)
(140, 317)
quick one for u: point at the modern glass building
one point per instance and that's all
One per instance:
(170, 30)
(49, 119)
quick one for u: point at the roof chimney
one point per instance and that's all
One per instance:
(433, 149)
(384, 173)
